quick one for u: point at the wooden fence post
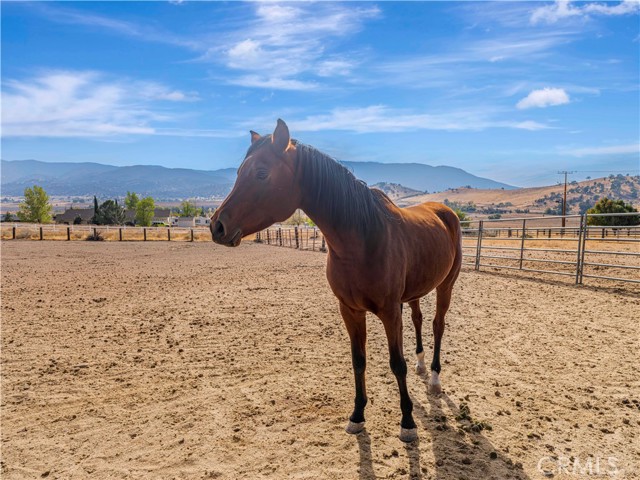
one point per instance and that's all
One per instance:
(168, 234)
(41, 235)
(192, 234)
(323, 248)
(297, 238)
(144, 232)
(524, 223)
(313, 245)
(13, 232)
(120, 233)
(479, 245)
(95, 232)
(258, 238)
(579, 259)
(280, 235)
(68, 233)
(268, 238)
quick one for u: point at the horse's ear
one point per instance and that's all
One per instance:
(254, 137)
(281, 137)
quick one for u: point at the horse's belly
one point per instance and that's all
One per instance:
(423, 277)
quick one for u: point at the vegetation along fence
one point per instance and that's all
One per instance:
(568, 246)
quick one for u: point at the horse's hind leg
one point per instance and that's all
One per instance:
(355, 321)
(443, 299)
(416, 317)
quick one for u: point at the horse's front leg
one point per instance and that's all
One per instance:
(392, 321)
(355, 321)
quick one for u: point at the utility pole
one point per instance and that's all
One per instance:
(564, 198)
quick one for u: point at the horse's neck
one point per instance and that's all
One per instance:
(320, 208)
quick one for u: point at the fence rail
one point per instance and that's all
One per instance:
(533, 245)
(14, 231)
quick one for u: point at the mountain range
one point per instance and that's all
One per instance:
(105, 181)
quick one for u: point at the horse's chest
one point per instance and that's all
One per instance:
(363, 286)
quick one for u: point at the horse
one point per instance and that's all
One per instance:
(379, 256)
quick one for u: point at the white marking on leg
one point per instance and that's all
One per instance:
(420, 365)
(434, 383)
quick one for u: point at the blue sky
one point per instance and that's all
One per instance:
(514, 91)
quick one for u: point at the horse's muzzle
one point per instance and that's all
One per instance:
(220, 234)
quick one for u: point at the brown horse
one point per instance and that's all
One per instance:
(379, 255)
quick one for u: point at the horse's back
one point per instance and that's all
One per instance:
(430, 212)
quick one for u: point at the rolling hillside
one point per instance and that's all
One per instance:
(580, 195)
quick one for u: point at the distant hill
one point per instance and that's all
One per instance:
(88, 179)
(580, 195)
(81, 179)
(395, 191)
(419, 176)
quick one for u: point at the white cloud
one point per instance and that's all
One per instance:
(563, 9)
(285, 45)
(381, 118)
(609, 150)
(274, 83)
(83, 104)
(144, 32)
(545, 97)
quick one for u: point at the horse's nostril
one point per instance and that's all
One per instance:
(218, 229)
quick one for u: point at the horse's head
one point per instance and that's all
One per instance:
(265, 191)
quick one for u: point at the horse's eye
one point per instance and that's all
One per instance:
(262, 174)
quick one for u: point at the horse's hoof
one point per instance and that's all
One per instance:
(354, 428)
(421, 369)
(408, 435)
(435, 388)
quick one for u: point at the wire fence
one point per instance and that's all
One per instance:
(567, 246)
(302, 238)
(549, 245)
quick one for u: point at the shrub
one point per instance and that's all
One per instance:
(96, 236)
(605, 205)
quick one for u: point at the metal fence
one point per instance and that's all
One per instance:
(566, 246)
(302, 238)
(543, 245)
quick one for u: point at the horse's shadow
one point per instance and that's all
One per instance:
(459, 454)
(366, 462)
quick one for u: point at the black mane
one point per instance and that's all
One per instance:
(349, 202)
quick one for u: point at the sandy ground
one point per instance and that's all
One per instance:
(190, 360)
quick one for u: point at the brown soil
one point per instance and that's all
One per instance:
(190, 360)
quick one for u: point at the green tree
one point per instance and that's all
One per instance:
(109, 213)
(188, 209)
(7, 217)
(131, 200)
(605, 205)
(36, 207)
(465, 219)
(144, 211)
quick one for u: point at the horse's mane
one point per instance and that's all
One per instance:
(349, 202)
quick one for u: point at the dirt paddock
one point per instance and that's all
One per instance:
(191, 360)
